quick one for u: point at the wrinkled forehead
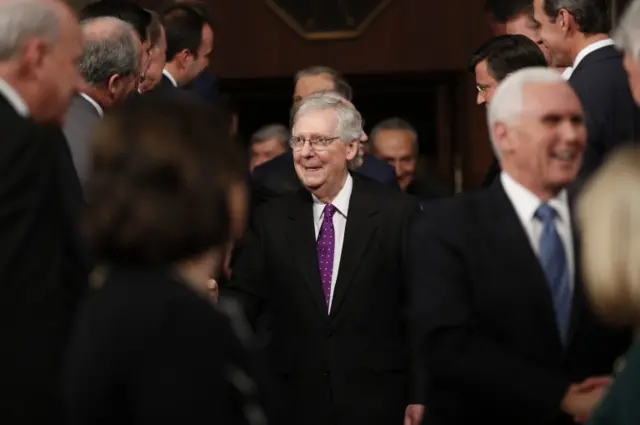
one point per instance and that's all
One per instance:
(315, 122)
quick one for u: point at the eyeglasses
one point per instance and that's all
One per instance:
(317, 143)
(482, 89)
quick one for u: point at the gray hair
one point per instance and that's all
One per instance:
(21, 20)
(271, 131)
(349, 126)
(508, 100)
(111, 51)
(627, 33)
(394, 123)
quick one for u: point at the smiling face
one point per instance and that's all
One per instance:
(553, 33)
(543, 149)
(321, 169)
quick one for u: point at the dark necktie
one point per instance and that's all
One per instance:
(554, 263)
(326, 248)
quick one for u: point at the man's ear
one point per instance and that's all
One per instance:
(566, 21)
(501, 136)
(183, 58)
(35, 51)
(113, 85)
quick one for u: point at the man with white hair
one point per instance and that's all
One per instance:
(109, 67)
(502, 321)
(627, 39)
(40, 276)
(327, 264)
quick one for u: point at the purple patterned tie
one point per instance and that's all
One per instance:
(326, 246)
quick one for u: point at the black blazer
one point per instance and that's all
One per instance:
(350, 366)
(148, 349)
(278, 177)
(42, 270)
(484, 318)
(612, 116)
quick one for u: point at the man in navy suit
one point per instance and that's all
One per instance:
(277, 177)
(576, 34)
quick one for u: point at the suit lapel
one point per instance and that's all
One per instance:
(361, 227)
(505, 227)
(301, 237)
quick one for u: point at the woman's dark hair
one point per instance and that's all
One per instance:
(163, 170)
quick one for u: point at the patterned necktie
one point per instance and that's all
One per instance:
(554, 263)
(326, 247)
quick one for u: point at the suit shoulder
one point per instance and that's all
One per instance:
(456, 211)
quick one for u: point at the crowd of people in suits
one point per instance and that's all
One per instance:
(150, 273)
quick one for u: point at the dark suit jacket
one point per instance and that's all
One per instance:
(147, 349)
(350, 366)
(485, 322)
(612, 116)
(82, 119)
(492, 174)
(42, 273)
(206, 87)
(278, 177)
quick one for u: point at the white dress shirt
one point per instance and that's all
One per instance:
(584, 52)
(526, 203)
(14, 99)
(170, 77)
(341, 202)
(94, 103)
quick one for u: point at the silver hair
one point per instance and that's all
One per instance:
(508, 100)
(394, 123)
(627, 33)
(113, 51)
(271, 131)
(349, 126)
(21, 20)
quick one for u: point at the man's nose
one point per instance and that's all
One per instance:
(480, 99)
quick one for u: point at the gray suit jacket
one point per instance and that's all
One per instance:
(82, 118)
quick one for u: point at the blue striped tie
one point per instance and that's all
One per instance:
(554, 263)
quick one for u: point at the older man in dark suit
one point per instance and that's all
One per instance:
(109, 67)
(576, 33)
(40, 275)
(502, 320)
(328, 263)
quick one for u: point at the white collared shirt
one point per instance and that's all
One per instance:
(94, 103)
(526, 203)
(170, 77)
(584, 52)
(14, 99)
(341, 202)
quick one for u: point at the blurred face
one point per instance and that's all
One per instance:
(321, 169)
(529, 27)
(156, 64)
(199, 63)
(485, 83)
(397, 147)
(632, 67)
(265, 150)
(312, 84)
(55, 69)
(543, 150)
(553, 34)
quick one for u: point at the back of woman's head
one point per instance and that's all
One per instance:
(609, 215)
(165, 180)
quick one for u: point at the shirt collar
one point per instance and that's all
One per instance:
(14, 98)
(94, 103)
(584, 52)
(341, 202)
(170, 77)
(526, 203)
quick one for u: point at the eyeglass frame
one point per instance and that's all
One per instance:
(321, 142)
